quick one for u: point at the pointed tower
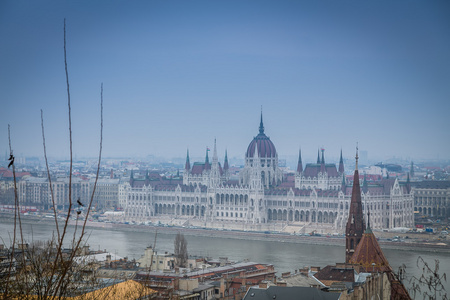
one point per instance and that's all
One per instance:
(261, 126)
(369, 254)
(355, 223)
(408, 184)
(226, 168)
(214, 176)
(207, 164)
(341, 164)
(225, 163)
(187, 166)
(343, 184)
(322, 162)
(411, 170)
(299, 164)
(318, 156)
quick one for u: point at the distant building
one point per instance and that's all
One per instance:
(432, 198)
(106, 193)
(316, 197)
(38, 191)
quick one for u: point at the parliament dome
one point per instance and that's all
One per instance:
(266, 149)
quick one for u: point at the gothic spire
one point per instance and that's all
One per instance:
(408, 184)
(187, 166)
(355, 223)
(207, 165)
(341, 164)
(318, 156)
(225, 164)
(261, 126)
(299, 164)
(215, 159)
(322, 162)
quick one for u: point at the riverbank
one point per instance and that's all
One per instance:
(406, 241)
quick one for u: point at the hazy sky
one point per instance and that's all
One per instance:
(178, 74)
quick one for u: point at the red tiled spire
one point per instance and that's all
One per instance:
(299, 164)
(341, 164)
(355, 223)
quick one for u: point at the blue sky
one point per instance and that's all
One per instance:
(178, 74)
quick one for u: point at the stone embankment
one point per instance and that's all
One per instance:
(407, 241)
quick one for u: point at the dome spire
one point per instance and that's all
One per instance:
(261, 126)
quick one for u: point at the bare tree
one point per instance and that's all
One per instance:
(431, 284)
(45, 270)
(181, 254)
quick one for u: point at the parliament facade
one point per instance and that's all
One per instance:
(262, 197)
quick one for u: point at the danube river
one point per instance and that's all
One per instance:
(285, 256)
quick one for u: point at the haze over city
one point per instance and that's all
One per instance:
(178, 74)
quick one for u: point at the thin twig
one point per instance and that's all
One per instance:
(48, 176)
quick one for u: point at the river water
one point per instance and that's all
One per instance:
(284, 256)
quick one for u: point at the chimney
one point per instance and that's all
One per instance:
(281, 283)
(263, 285)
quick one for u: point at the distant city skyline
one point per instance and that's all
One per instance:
(179, 74)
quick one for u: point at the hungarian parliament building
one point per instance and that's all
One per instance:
(264, 198)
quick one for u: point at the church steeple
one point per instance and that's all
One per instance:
(318, 156)
(341, 164)
(299, 164)
(355, 223)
